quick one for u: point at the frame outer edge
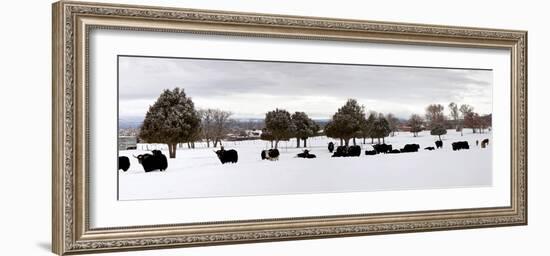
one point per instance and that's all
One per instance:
(65, 239)
(525, 108)
(57, 130)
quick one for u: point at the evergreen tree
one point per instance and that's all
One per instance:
(330, 131)
(304, 126)
(172, 119)
(381, 128)
(438, 130)
(363, 132)
(279, 123)
(369, 126)
(347, 121)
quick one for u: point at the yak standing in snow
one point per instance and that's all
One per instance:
(330, 147)
(460, 145)
(227, 156)
(161, 159)
(484, 143)
(439, 144)
(354, 150)
(410, 148)
(155, 161)
(123, 163)
(270, 154)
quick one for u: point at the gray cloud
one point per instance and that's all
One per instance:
(249, 88)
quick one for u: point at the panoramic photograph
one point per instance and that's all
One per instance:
(197, 128)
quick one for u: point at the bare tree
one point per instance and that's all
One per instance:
(486, 122)
(455, 115)
(415, 122)
(477, 122)
(468, 116)
(434, 114)
(393, 122)
(221, 123)
(464, 110)
(474, 121)
(207, 125)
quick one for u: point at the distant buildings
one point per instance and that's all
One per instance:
(244, 135)
(404, 128)
(127, 142)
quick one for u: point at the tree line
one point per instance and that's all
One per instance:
(347, 124)
(460, 118)
(351, 122)
(281, 125)
(173, 119)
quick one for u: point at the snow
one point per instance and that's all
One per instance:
(198, 172)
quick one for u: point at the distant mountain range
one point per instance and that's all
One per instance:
(129, 122)
(135, 122)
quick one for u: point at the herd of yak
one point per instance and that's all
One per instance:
(158, 161)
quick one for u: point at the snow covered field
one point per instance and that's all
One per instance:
(198, 172)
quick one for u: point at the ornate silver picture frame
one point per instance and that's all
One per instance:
(73, 203)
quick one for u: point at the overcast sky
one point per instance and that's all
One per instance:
(251, 88)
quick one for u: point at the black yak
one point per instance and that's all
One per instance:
(370, 152)
(155, 161)
(429, 148)
(161, 158)
(354, 151)
(382, 148)
(460, 145)
(270, 154)
(484, 143)
(306, 154)
(123, 163)
(343, 151)
(330, 147)
(394, 151)
(227, 156)
(439, 144)
(410, 148)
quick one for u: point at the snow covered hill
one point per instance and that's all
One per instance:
(198, 172)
